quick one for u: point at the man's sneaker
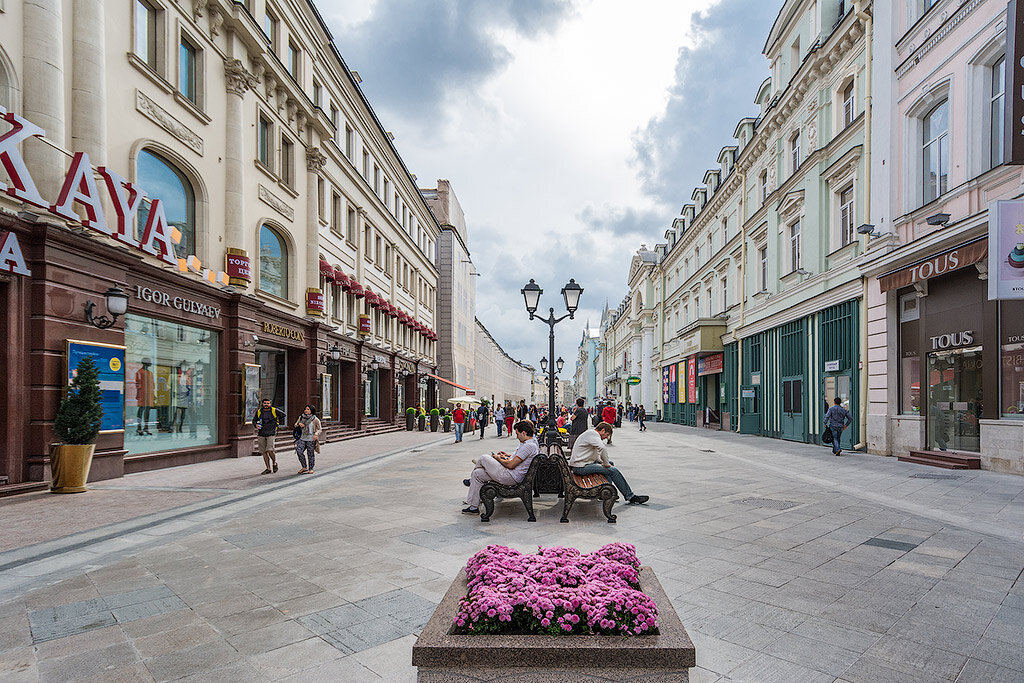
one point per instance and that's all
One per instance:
(466, 482)
(266, 471)
(471, 511)
(275, 467)
(639, 500)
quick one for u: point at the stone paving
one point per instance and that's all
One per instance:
(784, 563)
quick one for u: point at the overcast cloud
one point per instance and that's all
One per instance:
(572, 131)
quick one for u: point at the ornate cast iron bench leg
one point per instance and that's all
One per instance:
(566, 506)
(608, 500)
(487, 495)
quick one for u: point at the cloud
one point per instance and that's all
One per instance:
(715, 85)
(413, 54)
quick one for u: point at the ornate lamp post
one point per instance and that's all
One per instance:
(571, 294)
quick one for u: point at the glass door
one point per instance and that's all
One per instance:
(793, 408)
(955, 400)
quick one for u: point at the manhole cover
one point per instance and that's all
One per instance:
(929, 475)
(767, 503)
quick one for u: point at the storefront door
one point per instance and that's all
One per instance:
(273, 375)
(750, 409)
(839, 385)
(793, 423)
(372, 393)
(955, 400)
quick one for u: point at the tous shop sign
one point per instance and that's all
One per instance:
(157, 238)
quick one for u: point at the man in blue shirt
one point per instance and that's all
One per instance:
(837, 419)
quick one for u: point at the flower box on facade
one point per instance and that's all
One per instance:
(441, 655)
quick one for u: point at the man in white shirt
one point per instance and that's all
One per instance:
(590, 447)
(505, 468)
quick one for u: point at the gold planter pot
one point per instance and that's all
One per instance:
(70, 465)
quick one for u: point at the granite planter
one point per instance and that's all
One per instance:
(441, 657)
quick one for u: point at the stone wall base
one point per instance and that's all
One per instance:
(530, 675)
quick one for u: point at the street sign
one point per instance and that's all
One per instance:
(633, 380)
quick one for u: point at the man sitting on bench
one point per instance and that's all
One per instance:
(505, 468)
(589, 448)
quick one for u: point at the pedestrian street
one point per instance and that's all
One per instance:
(784, 563)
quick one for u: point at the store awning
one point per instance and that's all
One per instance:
(961, 256)
(448, 381)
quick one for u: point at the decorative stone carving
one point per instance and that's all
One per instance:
(315, 160)
(812, 136)
(771, 175)
(161, 117)
(197, 8)
(275, 202)
(216, 20)
(238, 77)
(291, 107)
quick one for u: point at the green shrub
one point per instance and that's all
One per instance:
(79, 414)
(434, 412)
(410, 411)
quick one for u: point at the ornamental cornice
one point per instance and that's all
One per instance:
(931, 41)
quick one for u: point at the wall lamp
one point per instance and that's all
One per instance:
(335, 354)
(117, 304)
(869, 230)
(938, 219)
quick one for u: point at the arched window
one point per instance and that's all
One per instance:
(160, 179)
(273, 263)
(935, 145)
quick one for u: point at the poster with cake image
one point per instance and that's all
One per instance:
(1006, 250)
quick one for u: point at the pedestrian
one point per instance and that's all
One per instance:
(459, 420)
(608, 415)
(481, 417)
(309, 438)
(837, 419)
(499, 417)
(618, 416)
(510, 417)
(533, 413)
(589, 456)
(505, 468)
(641, 417)
(266, 420)
(522, 412)
(578, 425)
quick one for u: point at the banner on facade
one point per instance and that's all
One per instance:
(691, 378)
(710, 365)
(664, 385)
(109, 360)
(681, 382)
(1006, 250)
(672, 382)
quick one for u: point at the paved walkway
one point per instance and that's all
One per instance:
(784, 563)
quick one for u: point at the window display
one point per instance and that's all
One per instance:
(170, 393)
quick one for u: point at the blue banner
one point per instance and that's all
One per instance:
(109, 361)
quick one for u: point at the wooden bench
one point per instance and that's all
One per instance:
(523, 490)
(589, 486)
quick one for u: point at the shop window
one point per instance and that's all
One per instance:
(171, 392)
(273, 263)
(164, 181)
(910, 354)
(1012, 361)
(935, 148)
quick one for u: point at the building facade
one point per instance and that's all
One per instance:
(499, 377)
(585, 377)
(218, 163)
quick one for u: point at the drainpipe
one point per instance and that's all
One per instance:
(858, 8)
(743, 297)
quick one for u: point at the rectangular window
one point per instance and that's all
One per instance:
(263, 141)
(936, 152)
(294, 61)
(387, 259)
(320, 197)
(725, 294)
(335, 117)
(794, 150)
(725, 231)
(376, 180)
(350, 226)
(794, 246)
(270, 29)
(997, 102)
(145, 33)
(762, 257)
(764, 186)
(336, 212)
(846, 231)
(366, 165)
(387, 191)
(350, 142)
(287, 162)
(849, 106)
(318, 95)
(187, 71)
(378, 252)
(910, 355)
(367, 242)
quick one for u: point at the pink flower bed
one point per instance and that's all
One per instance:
(556, 591)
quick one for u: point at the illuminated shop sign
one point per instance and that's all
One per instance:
(11, 258)
(179, 302)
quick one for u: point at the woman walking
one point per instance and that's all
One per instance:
(641, 417)
(510, 417)
(309, 439)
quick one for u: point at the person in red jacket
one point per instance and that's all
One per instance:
(608, 415)
(459, 418)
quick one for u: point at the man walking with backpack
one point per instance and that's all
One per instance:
(266, 420)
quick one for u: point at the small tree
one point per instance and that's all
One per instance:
(79, 414)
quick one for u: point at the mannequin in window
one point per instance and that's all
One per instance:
(184, 403)
(144, 396)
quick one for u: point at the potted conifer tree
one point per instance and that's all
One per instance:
(77, 426)
(434, 419)
(410, 418)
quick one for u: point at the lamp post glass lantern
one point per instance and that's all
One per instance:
(571, 293)
(117, 305)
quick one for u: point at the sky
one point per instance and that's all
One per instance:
(572, 131)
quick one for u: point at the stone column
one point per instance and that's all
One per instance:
(315, 162)
(635, 369)
(648, 375)
(43, 101)
(238, 81)
(88, 82)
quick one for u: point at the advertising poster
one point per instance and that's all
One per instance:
(691, 377)
(1006, 250)
(250, 391)
(325, 396)
(672, 382)
(681, 382)
(109, 360)
(664, 385)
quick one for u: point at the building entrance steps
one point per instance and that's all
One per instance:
(949, 460)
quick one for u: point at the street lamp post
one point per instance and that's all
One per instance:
(571, 294)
